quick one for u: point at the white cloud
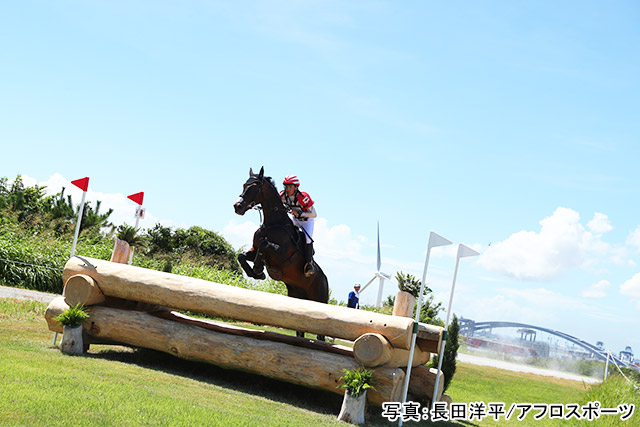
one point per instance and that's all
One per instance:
(562, 243)
(599, 224)
(631, 287)
(634, 238)
(597, 290)
(239, 234)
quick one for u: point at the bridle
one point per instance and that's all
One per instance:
(253, 204)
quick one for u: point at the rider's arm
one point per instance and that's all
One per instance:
(309, 214)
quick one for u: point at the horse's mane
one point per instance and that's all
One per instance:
(272, 182)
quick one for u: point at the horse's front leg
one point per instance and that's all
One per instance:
(255, 272)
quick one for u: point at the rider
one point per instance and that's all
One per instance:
(301, 208)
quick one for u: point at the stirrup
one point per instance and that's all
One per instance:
(309, 269)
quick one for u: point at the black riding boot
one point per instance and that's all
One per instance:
(309, 267)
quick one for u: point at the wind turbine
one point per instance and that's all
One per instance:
(378, 275)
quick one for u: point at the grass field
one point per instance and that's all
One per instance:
(121, 386)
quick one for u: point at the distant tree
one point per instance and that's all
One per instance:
(25, 202)
(450, 353)
(93, 218)
(160, 239)
(195, 243)
(62, 208)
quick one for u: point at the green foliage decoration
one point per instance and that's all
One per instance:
(356, 381)
(409, 283)
(73, 316)
(129, 234)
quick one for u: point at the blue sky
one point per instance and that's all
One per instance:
(509, 126)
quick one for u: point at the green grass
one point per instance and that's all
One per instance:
(120, 386)
(613, 392)
(114, 385)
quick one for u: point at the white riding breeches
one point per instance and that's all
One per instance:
(307, 226)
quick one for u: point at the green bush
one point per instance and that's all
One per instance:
(450, 353)
(195, 243)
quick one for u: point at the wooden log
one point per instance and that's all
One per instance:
(187, 293)
(58, 305)
(55, 308)
(372, 350)
(82, 289)
(121, 251)
(353, 408)
(423, 381)
(317, 369)
(400, 358)
(72, 340)
(404, 304)
(226, 328)
(375, 350)
(429, 338)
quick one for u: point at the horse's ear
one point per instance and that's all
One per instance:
(261, 174)
(250, 172)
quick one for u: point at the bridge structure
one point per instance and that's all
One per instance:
(469, 327)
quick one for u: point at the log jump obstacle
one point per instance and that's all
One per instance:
(136, 306)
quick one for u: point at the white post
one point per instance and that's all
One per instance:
(137, 221)
(73, 246)
(606, 366)
(463, 251)
(379, 301)
(434, 241)
(80, 212)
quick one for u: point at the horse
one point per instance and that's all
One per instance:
(278, 244)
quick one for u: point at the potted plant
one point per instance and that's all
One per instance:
(126, 237)
(71, 320)
(406, 297)
(356, 382)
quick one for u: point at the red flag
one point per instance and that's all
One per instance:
(82, 183)
(137, 197)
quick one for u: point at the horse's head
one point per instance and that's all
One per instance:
(252, 194)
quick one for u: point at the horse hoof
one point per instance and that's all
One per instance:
(320, 338)
(261, 276)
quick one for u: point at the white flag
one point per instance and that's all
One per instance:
(437, 240)
(464, 251)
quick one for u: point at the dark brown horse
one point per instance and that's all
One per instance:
(278, 244)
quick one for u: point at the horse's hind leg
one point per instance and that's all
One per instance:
(320, 292)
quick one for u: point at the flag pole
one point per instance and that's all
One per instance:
(137, 198)
(435, 240)
(463, 251)
(82, 184)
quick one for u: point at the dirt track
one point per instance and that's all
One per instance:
(7, 292)
(508, 366)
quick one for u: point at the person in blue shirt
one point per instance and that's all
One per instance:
(354, 297)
